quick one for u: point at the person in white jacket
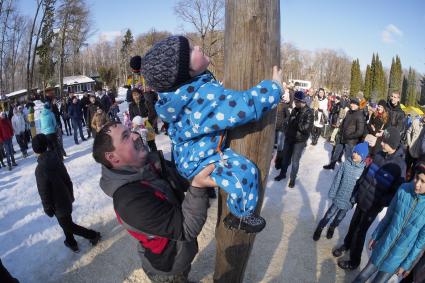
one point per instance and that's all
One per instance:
(18, 125)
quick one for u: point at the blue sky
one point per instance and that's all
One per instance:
(359, 28)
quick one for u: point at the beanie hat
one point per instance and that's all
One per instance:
(420, 167)
(382, 103)
(362, 149)
(392, 137)
(166, 65)
(138, 120)
(355, 100)
(39, 143)
(300, 96)
(135, 63)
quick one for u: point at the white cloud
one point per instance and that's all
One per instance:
(391, 33)
(109, 35)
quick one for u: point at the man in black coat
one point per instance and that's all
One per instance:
(374, 190)
(138, 106)
(395, 112)
(56, 193)
(300, 123)
(151, 98)
(351, 131)
(75, 111)
(91, 110)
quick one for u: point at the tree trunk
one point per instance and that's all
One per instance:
(4, 31)
(62, 55)
(35, 48)
(252, 47)
(30, 45)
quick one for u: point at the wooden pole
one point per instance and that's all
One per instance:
(252, 48)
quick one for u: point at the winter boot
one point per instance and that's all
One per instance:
(339, 251)
(249, 224)
(291, 183)
(330, 232)
(330, 166)
(347, 264)
(279, 177)
(96, 239)
(73, 247)
(317, 233)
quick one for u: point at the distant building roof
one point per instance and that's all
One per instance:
(16, 93)
(74, 80)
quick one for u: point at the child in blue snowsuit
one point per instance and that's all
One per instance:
(341, 190)
(199, 110)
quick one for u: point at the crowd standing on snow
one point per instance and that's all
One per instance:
(380, 151)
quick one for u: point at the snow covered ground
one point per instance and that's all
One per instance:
(31, 244)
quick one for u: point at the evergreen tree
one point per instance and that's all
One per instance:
(396, 74)
(45, 50)
(411, 88)
(367, 89)
(356, 78)
(422, 97)
(403, 94)
(127, 44)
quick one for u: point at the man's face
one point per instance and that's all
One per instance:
(136, 96)
(299, 104)
(92, 99)
(129, 148)
(395, 98)
(354, 106)
(420, 184)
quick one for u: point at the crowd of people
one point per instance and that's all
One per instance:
(163, 204)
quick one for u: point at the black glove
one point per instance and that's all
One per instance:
(50, 212)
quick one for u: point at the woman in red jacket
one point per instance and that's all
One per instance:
(6, 134)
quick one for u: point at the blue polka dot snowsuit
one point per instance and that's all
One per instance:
(198, 113)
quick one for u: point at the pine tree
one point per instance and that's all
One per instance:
(356, 78)
(125, 53)
(45, 50)
(403, 98)
(367, 89)
(396, 74)
(422, 97)
(411, 88)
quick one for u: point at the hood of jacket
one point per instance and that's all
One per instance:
(113, 179)
(49, 160)
(171, 104)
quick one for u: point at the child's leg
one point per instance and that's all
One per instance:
(339, 217)
(332, 210)
(238, 176)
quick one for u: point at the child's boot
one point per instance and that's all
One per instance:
(249, 224)
(317, 233)
(330, 232)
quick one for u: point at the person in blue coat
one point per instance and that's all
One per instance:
(199, 110)
(400, 237)
(75, 111)
(48, 127)
(341, 190)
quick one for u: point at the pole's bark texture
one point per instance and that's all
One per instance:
(252, 48)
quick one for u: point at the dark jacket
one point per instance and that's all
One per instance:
(379, 182)
(54, 184)
(334, 113)
(151, 98)
(56, 112)
(396, 116)
(282, 116)
(105, 101)
(300, 123)
(138, 109)
(352, 127)
(75, 111)
(155, 211)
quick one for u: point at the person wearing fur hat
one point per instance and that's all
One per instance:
(351, 131)
(56, 192)
(99, 120)
(199, 110)
(297, 133)
(378, 122)
(341, 190)
(399, 238)
(373, 191)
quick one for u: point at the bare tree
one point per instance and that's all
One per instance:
(5, 13)
(30, 47)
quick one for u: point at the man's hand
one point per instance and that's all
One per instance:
(371, 244)
(277, 75)
(401, 272)
(203, 179)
